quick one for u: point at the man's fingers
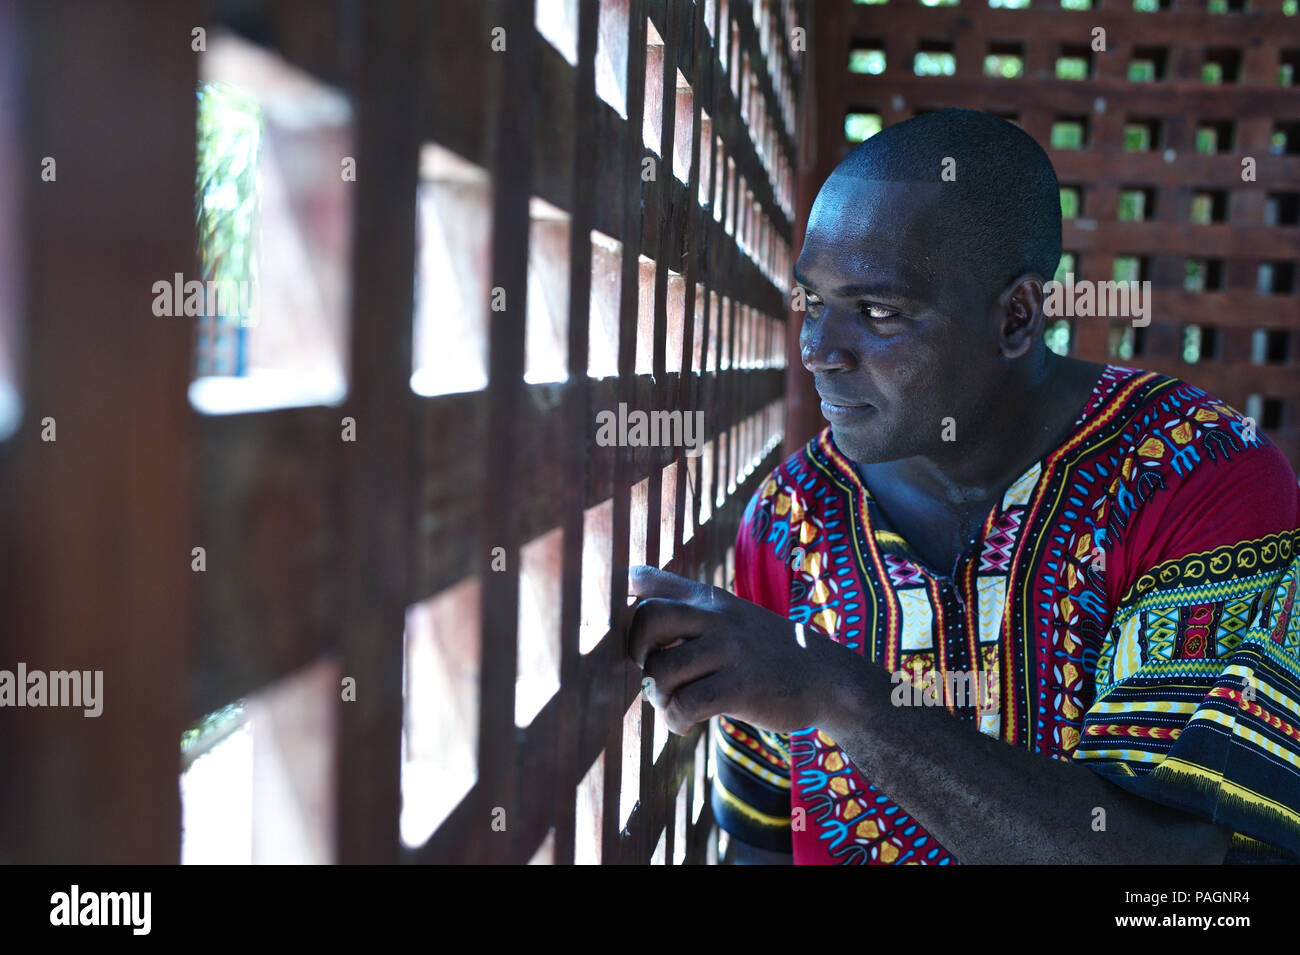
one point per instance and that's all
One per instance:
(648, 581)
(658, 622)
(673, 666)
(697, 701)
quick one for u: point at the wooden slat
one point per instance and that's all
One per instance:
(514, 142)
(96, 524)
(269, 490)
(568, 744)
(379, 463)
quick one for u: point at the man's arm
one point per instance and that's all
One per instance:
(989, 802)
(984, 800)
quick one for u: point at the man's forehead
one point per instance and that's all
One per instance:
(846, 200)
(861, 225)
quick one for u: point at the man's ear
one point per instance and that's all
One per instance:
(1021, 314)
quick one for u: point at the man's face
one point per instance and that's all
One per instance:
(897, 336)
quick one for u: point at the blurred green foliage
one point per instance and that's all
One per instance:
(226, 187)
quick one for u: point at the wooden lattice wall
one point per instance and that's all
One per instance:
(1249, 335)
(316, 547)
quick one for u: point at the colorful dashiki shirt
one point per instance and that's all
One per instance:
(1129, 601)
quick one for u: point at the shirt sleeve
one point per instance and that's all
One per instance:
(751, 783)
(1198, 675)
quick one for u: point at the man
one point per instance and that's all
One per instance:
(1009, 607)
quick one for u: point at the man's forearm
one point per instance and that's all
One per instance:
(988, 802)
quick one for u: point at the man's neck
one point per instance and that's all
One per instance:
(1024, 425)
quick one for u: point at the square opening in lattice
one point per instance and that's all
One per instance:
(675, 303)
(1285, 140)
(667, 514)
(1265, 411)
(652, 120)
(1209, 206)
(706, 483)
(1075, 62)
(1270, 346)
(1221, 65)
(861, 124)
(729, 199)
(589, 810)
(1137, 203)
(270, 298)
(1276, 278)
(1131, 268)
(557, 22)
(1282, 209)
(733, 63)
(934, 58)
(726, 333)
(719, 174)
(546, 347)
(1071, 202)
(645, 316)
(683, 131)
(1200, 343)
(679, 825)
(440, 730)
(639, 516)
(611, 54)
(629, 792)
(1149, 64)
(708, 148)
(1214, 136)
(1203, 275)
(597, 566)
(258, 780)
(1068, 264)
(1070, 132)
(1005, 59)
(1119, 341)
(1057, 335)
(867, 56)
(1226, 6)
(454, 234)
(1152, 6)
(606, 286)
(541, 565)
(699, 767)
(1288, 67)
(1142, 134)
(698, 329)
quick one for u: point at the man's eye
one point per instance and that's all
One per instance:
(814, 305)
(877, 313)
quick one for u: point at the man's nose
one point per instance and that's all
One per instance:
(825, 347)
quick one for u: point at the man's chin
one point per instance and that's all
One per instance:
(862, 448)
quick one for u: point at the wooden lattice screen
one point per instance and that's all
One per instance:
(317, 547)
(1191, 88)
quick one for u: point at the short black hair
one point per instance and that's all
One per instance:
(1007, 201)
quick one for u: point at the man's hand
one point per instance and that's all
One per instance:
(708, 652)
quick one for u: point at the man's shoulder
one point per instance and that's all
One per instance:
(1172, 423)
(1184, 454)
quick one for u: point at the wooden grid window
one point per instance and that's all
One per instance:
(274, 229)
(402, 636)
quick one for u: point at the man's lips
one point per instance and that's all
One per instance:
(835, 408)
